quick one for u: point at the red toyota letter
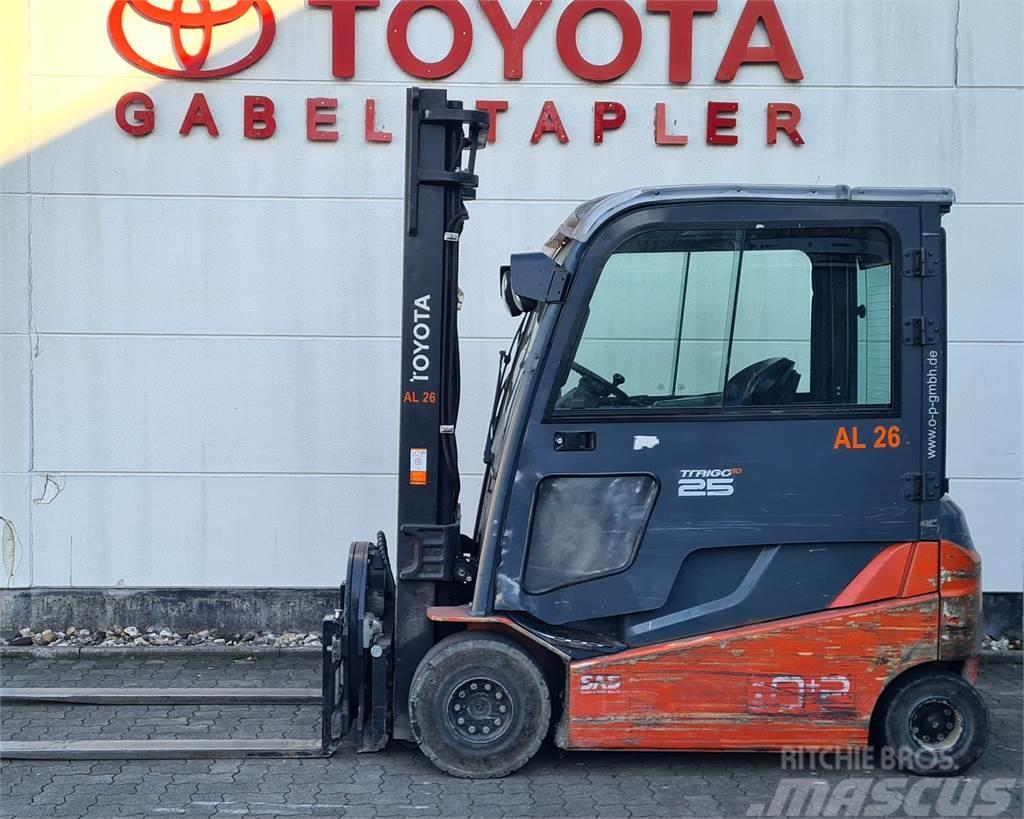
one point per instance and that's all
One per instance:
(779, 49)
(370, 129)
(661, 134)
(603, 122)
(784, 116)
(514, 40)
(549, 123)
(680, 32)
(492, 107)
(716, 123)
(258, 111)
(398, 38)
(343, 32)
(316, 115)
(144, 117)
(199, 113)
(568, 50)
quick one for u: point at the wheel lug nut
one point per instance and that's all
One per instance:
(472, 686)
(949, 726)
(498, 695)
(497, 722)
(486, 730)
(502, 708)
(457, 707)
(461, 721)
(462, 695)
(472, 729)
(487, 686)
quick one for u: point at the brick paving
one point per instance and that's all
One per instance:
(400, 782)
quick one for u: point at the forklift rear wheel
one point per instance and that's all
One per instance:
(936, 722)
(479, 705)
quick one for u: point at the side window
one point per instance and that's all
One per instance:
(773, 314)
(634, 319)
(657, 325)
(719, 319)
(706, 310)
(584, 527)
(874, 300)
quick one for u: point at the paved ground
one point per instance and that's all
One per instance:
(400, 782)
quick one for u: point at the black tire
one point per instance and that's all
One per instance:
(934, 722)
(497, 691)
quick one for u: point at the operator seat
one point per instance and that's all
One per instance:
(769, 382)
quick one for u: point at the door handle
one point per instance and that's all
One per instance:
(585, 441)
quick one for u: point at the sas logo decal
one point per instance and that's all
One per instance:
(176, 19)
(708, 483)
(600, 683)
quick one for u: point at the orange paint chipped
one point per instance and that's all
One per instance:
(961, 569)
(808, 681)
(960, 591)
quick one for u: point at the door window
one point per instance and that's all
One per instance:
(584, 527)
(721, 319)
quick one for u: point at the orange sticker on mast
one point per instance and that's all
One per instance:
(418, 467)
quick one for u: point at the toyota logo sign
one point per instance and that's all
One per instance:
(177, 20)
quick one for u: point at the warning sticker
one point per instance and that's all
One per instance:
(418, 467)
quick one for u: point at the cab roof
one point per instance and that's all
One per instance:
(584, 221)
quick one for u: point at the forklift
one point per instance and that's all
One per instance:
(714, 513)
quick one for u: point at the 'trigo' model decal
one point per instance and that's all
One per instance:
(708, 483)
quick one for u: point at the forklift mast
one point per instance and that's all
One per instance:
(374, 642)
(442, 139)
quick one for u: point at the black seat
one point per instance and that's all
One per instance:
(770, 382)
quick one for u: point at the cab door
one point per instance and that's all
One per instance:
(726, 424)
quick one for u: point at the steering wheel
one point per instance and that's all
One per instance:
(610, 387)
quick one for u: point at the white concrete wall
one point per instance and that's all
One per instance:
(198, 336)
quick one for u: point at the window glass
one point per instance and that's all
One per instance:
(773, 310)
(704, 345)
(874, 293)
(585, 527)
(617, 341)
(706, 319)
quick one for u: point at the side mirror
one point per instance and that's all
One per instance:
(530, 279)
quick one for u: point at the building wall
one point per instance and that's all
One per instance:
(198, 336)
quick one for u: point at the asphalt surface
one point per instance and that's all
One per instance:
(400, 782)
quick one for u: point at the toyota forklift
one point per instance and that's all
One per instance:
(714, 514)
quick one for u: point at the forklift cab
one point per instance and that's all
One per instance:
(713, 416)
(714, 513)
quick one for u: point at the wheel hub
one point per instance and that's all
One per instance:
(479, 710)
(936, 724)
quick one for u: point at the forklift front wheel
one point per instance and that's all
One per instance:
(479, 705)
(935, 722)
